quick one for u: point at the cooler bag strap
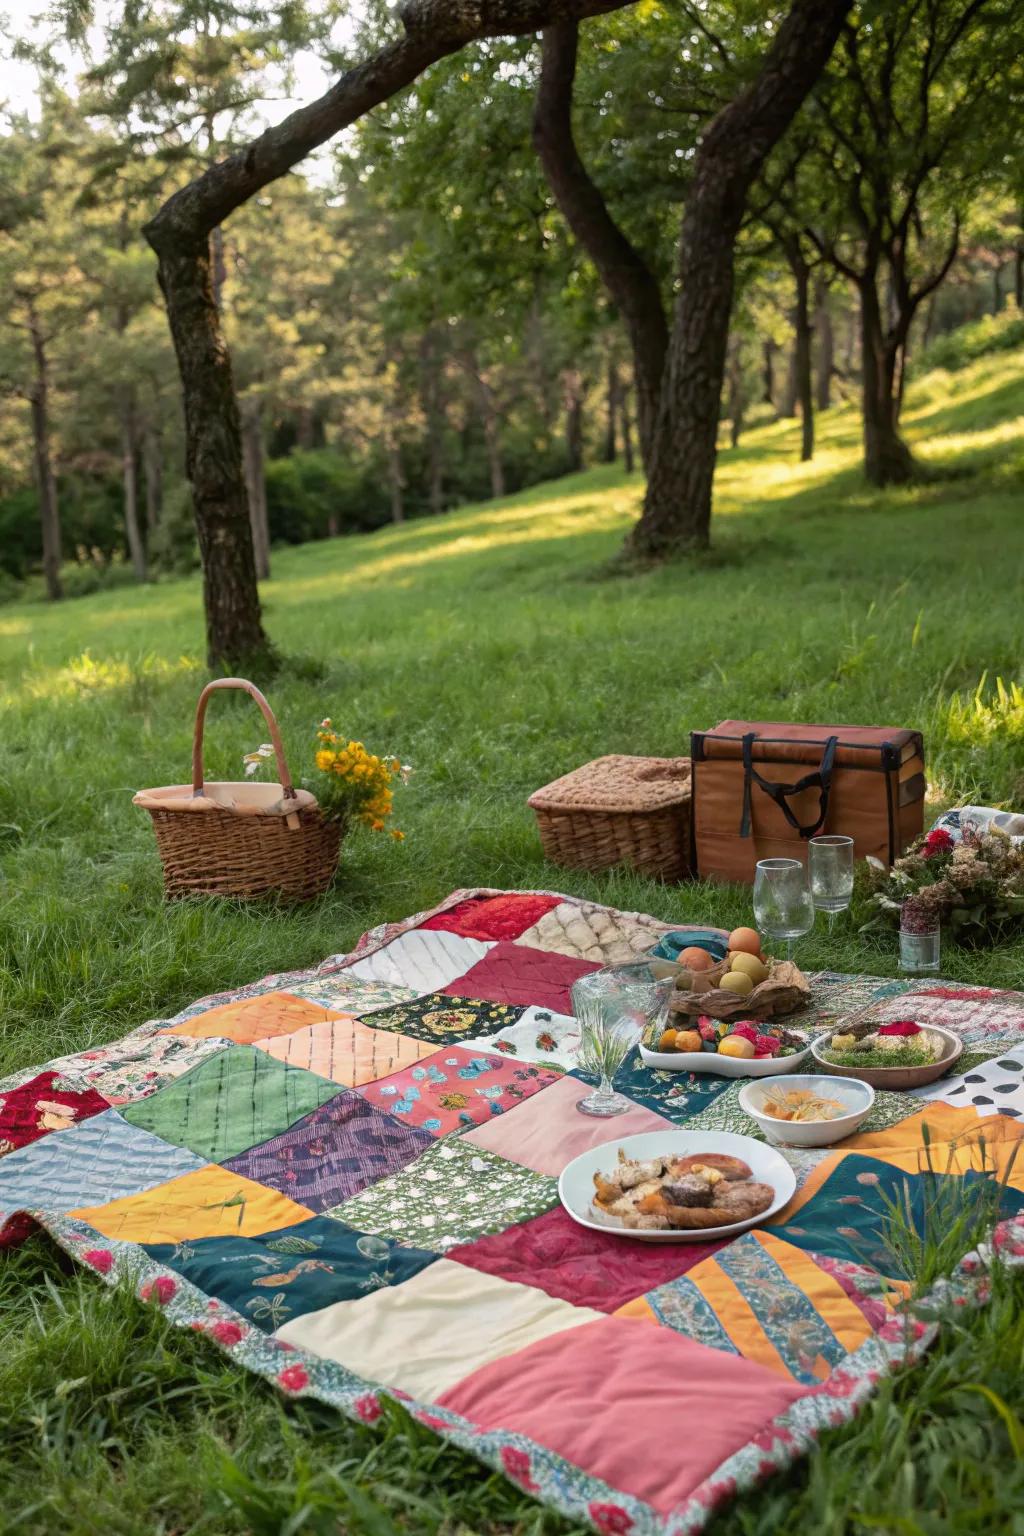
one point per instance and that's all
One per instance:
(820, 779)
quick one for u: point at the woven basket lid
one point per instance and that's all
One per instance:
(618, 783)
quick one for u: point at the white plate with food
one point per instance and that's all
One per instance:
(797, 1047)
(676, 1186)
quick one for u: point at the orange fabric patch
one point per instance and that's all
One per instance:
(211, 1202)
(348, 1052)
(255, 1019)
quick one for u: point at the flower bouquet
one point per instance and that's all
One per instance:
(350, 783)
(973, 888)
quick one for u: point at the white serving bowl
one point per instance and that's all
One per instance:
(810, 1133)
(726, 1066)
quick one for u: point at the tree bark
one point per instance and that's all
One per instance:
(1018, 266)
(488, 412)
(826, 344)
(768, 371)
(627, 432)
(611, 411)
(573, 382)
(256, 485)
(130, 481)
(434, 414)
(46, 483)
(396, 477)
(677, 507)
(787, 402)
(180, 235)
(153, 466)
(802, 378)
(624, 272)
(887, 458)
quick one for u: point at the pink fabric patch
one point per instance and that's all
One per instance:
(590, 1269)
(456, 1087)
(548, 1131)
(650, 1412)
(515, 973)
(493, 917)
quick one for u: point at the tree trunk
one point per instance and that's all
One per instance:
(130, 478)
(484, 396)
(1018, 267)
(235, 639)
(887, 459)
(573, 382)
(256, 484)
(768, 371)
(396, 477)
(677, 507)
(803, 383)
(997, 287)
(46, 484)
(305, 428)
(612, 410)
(153, 465)
(624, 272)
(826, 344)
(627, 432)
(787, 404)
(433, 412)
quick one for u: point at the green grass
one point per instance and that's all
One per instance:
(492, 649)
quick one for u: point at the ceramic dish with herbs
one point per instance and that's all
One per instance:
(900, 1055)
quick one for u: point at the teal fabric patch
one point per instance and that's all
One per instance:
(280, 1275)
(676, 1095)
(799, 1332)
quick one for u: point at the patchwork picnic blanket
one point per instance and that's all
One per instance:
(346, 1179)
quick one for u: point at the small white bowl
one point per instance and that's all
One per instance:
(810, 1133)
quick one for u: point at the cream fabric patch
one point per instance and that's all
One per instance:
(427, 1334)
(593, 933)
(424, 959)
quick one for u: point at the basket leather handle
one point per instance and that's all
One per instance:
(284, 777)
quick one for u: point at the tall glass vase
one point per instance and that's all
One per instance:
(613, 1007)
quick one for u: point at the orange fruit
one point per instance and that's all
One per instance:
(746, 939)
(696, 959)
(667, 1041)
(688, 1040)
(736, 1045)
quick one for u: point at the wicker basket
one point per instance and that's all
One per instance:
(241, 839)
(619, 810)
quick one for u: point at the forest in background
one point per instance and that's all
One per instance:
(414, 322)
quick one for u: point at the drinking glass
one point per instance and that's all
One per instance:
(830, 861)
(613, 1007)
(782, 900)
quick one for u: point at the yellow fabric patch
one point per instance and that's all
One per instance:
(426, 1335)
(348, 1052)
(825, 1294)
(736, 1316)
(208, 1203)
(254, 1019)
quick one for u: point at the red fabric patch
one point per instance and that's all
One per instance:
(601, 1395)
(16, 1229)
(37, 1108)
(515, 973)
(590, 1269)
(493, 917)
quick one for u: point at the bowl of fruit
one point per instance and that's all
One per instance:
(730, 1048)
(747, 983)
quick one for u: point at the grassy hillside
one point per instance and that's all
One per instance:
(493, 649)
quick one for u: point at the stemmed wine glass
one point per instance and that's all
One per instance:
(831, 868)
(782, 900)
(613, 1007)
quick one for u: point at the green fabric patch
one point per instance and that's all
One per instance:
(230, 1103)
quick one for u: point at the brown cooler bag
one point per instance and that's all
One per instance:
(761, 790)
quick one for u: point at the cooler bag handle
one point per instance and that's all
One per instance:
(821, 780)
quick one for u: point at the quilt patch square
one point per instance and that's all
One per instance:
(212, 1202)
(342, 993)
(676, 1095)
(272, 1277)
(255, 1018)
(137, 1067)
(592, 1395)
(590, 1269)
(449, 1196)
(493, 917)
(446, 1020)
(348, 1052)
(44, 1103)
(993, 1087)
(591, 932)
(93, 1162)
(514, 973)
(548, 1131)
(456, 1088)
(426, 1335)
(333, 1152)
(229, 1103)
(540, 1036)
(425, 961)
